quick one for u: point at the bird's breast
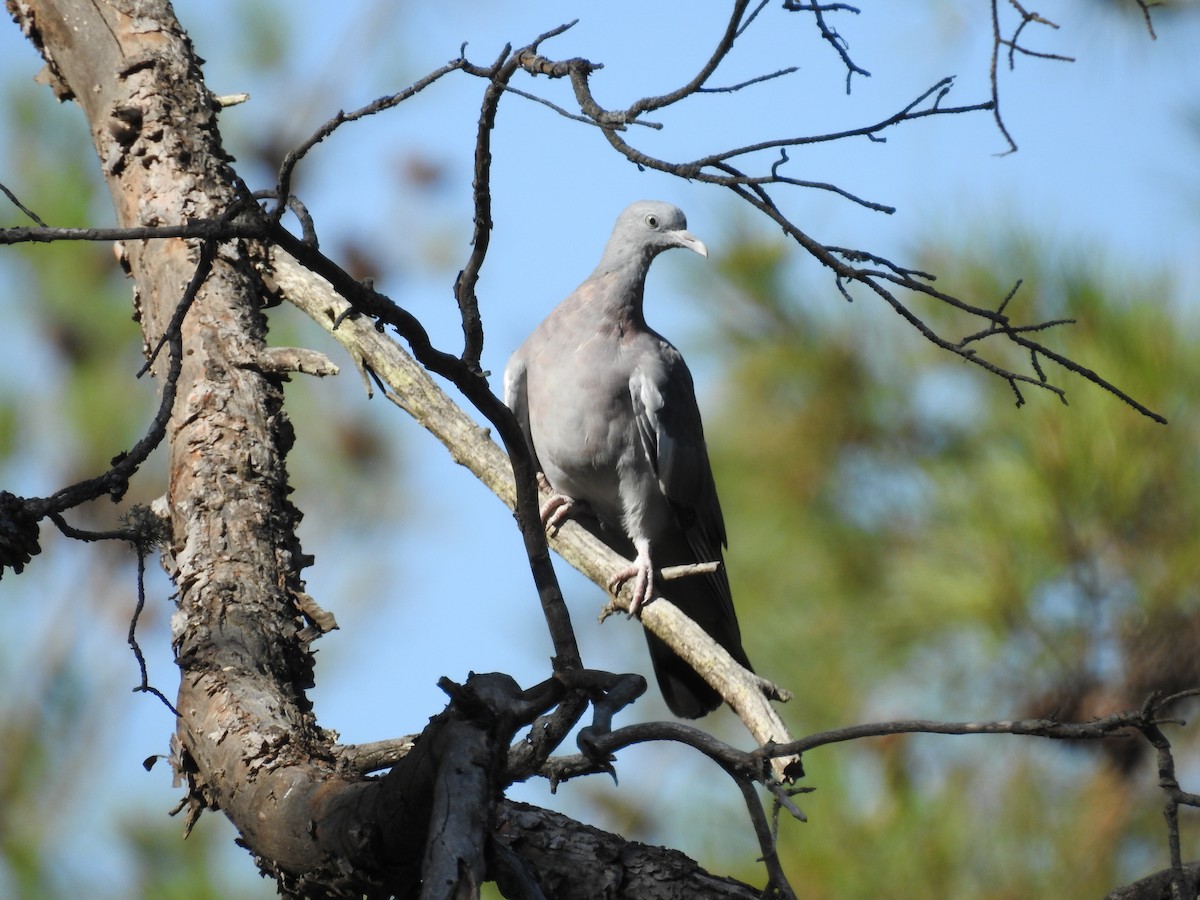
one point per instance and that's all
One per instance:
(581, 422)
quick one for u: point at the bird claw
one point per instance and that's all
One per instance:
(642, 573)
(555, 511)
(557, 508)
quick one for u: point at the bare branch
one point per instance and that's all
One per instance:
(752, 189)
(21, 206)
(464, 285)
(907, 113)
(1145, 8)
(993, 75)
(743, 84)
(574, 117)
(1014, 46)
(500, 73)
(283, 184)
(750, 18)
(200, 229)
(834, 39)
(777, 880)
(875, 280)
(724, 45)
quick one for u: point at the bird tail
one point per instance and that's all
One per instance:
(706, 600)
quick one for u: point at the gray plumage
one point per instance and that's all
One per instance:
(610, 413)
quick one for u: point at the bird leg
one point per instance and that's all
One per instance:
(557, 508)
(555, 511)
(642, 571)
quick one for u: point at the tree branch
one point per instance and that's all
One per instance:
(577, 862)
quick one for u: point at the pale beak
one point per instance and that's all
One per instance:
(689, 240)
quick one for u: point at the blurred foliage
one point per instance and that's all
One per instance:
(72, 296)
(907, 543)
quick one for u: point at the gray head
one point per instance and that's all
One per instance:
(644, 230)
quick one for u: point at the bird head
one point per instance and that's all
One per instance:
(648, 227)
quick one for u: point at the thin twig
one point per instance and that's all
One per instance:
(1145, 8)
(464, 285)
(293, 158)
(144, 686)
(994, 80)
(830, 35)
(143, 530)
(749, 81)
(724, 45)
(115, 481)
(906, 114)
(21, 206)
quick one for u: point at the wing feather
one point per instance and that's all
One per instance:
(672, 435)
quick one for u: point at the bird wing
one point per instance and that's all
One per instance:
(516, 398)
(672, 438)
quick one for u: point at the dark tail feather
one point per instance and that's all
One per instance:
(704, 599)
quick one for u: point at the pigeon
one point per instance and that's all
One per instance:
(609, 411)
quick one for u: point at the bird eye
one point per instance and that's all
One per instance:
(652, 220)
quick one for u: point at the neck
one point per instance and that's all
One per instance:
(623, 288)
(622, 271)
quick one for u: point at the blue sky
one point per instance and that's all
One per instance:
(1107, 162)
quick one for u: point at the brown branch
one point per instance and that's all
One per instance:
(247, 741)
(363, 759)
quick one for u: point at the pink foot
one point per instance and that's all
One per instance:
(557, 508)
(555, 511)
(642, 571)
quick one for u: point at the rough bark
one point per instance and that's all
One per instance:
(247, 742)
(574, 862)
(1161, 885)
